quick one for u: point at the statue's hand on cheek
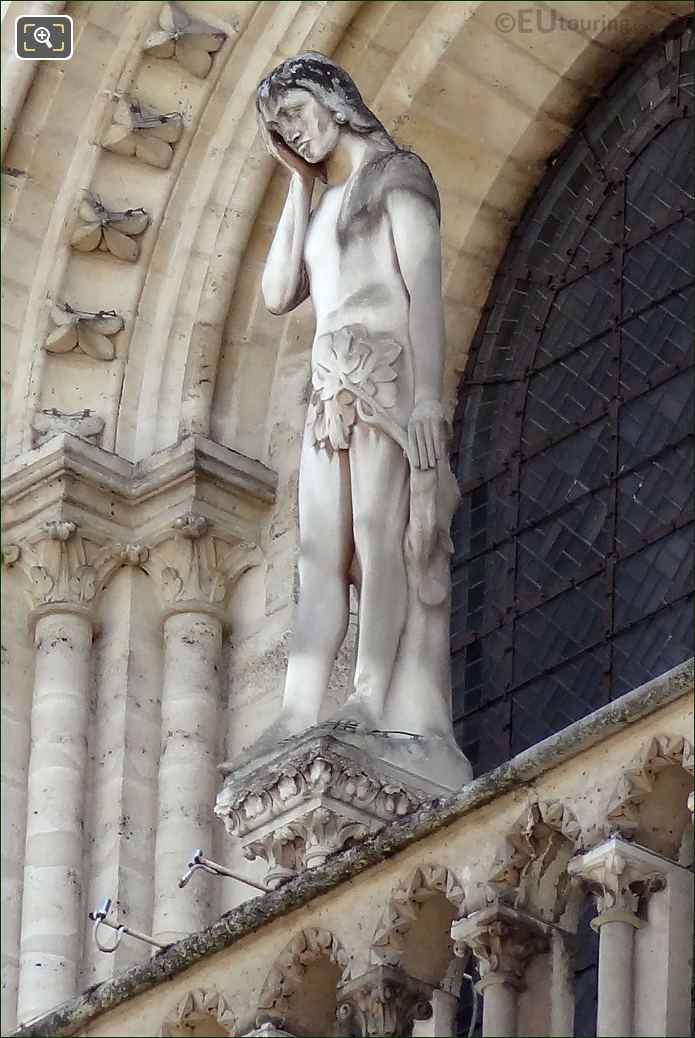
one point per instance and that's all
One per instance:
(293, 163)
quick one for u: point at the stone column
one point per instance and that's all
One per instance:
(503, 941)
(385, 1001)
(617, 873)
(52, 902)
(190, 728)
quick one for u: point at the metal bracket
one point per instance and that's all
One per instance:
(199, 861)
(99, 918)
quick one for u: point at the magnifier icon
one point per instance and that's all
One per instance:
(42, 35)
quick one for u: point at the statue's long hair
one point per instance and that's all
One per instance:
(330, 85)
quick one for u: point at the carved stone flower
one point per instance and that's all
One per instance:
(109, 230)
(188, 40)
(351, 369)
(90, 332)
(142, 131)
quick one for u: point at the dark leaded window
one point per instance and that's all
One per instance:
(572, 566)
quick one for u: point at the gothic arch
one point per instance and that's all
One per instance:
(200, 1008)
(389, 944)
(638, 810)
(531, 870)
(289, 969)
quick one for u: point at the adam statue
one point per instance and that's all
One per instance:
(376, 494)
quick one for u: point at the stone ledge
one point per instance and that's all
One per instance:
(251, 916)
(72, 479)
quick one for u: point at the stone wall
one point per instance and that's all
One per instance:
(525, 842)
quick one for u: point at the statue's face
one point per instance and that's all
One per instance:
(306, 126)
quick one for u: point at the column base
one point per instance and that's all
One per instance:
(296, 802)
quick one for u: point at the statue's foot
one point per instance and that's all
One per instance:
(280, 731)
(357, 710)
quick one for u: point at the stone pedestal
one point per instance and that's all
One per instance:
(328, 788)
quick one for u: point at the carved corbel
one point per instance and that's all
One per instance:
(81, 329)
(141, 131)
(185, 39)
(385, 1001)
(109, 230)
(618, 874)
(503, 941)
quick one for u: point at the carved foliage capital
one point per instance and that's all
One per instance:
(197, 566)
(304, 842)
(59, 564)
(384, 1001)
(618, 874)
(502, 940)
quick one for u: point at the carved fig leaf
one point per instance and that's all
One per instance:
(83, 584)
(43, 580)
(194, 59)
(122, 247)
(132, 222)
(87, 237)
(62, 339)
(120, 139)
(93, 343)
(172, 583)
(169, 130)
(153, 151)
(105, 323)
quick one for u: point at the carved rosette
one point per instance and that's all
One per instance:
(196, 1009)
(50, 422)
(618, 874)
(189, 41)
(308, 805)
(82, 330)
(141, 131)
(109, 230)
(503, 941)
(385, 1001)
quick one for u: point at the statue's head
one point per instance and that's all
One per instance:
(309, 100)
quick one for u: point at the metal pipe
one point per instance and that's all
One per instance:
(99, 917)
(199, 861)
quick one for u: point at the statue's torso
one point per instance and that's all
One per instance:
(355, 282)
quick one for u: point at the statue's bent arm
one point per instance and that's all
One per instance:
(416, 237)
(285, 282)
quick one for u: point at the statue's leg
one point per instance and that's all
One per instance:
(325, 553)
(379, 475)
